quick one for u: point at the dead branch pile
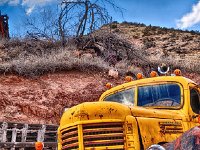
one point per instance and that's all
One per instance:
(112, 48)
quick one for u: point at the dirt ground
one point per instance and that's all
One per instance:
(42, 100)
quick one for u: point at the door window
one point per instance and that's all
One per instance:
(195, 101)
(168, 94)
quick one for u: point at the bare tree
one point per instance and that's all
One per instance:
(43, 24)
(83, 16)
(71, 18)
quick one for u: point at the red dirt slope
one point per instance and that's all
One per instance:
(42, 100)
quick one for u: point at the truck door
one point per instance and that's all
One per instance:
(194, 105)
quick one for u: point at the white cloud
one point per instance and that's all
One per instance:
(4, 1)
(32, 4)
(14, 2)
(10, 2)
(29, 5)
(191, 18)
(29, 10)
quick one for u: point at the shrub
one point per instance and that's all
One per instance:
(113, 26)
(148, 43)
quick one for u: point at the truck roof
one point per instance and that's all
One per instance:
(147, 81)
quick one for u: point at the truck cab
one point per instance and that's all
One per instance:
(133, 115)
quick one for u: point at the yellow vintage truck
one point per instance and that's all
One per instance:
(134, 115)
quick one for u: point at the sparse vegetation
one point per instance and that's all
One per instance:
(113, 26)
(148, 43)
(34, 61)
(103, 50)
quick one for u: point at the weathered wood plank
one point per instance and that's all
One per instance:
(25, 144)
(14, 134)
(24, 133)
(40, 136)
(23, 136)
(4, 132)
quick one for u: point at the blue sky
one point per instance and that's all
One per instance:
(184, 14)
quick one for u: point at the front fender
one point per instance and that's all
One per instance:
(132, 134)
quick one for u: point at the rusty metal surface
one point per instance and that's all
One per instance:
(93, 135)
(171, 127)
(106, 134)
(71, 146)
(69, 138)
(4, 30)
(190, 140)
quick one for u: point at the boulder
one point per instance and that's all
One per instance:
(87, 56)
(113, 73)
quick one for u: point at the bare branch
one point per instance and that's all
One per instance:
(90, 14)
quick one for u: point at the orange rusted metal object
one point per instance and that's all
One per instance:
(39, 146)
(4, 30)
(177, 72)
(153, 74)
(128, 78)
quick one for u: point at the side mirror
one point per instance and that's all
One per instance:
(163, 69)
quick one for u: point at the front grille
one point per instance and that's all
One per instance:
(98, 135)
(70, 138)
(103, 134)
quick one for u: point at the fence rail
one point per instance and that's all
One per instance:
(16, 136)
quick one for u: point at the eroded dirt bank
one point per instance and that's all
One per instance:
(41, 100)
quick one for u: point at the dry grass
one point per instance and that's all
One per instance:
(61, 61)
(31, 64)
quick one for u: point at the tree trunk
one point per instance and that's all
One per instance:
(83, 21)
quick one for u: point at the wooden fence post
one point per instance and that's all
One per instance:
(4, 132)
(24, 134)
(14, 136)
(41, 133)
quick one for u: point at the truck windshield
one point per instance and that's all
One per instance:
(125, 97)
(164, 95)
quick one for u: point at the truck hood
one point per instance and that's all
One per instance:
(157, 113)
(95, 111)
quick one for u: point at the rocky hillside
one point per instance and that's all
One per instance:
(39, 78)
(175, 47)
